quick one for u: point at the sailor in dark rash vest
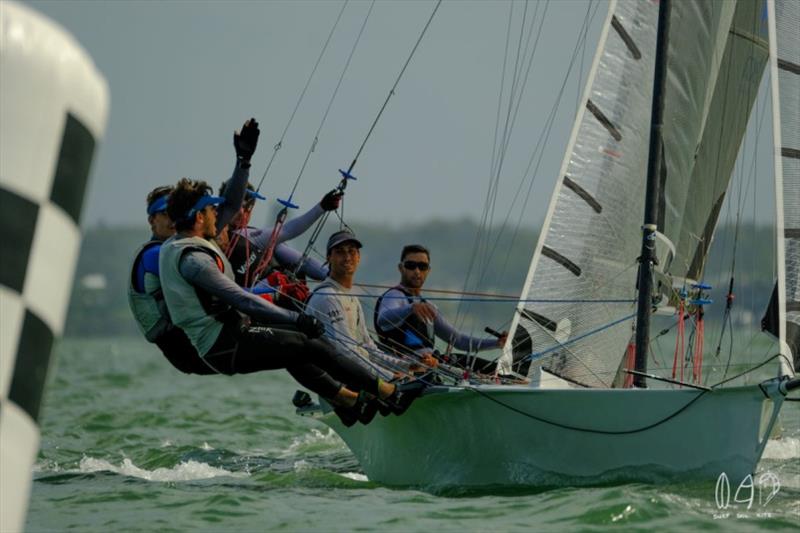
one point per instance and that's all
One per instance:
(205, 302)
(145, 296)
(407, 324)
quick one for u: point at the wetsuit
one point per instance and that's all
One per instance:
(205, 302)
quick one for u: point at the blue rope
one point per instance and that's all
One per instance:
(537, 355)
(490, 300)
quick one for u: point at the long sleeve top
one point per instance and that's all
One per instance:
(395, 308)
(346, 325)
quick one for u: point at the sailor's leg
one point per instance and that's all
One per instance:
(265, 348)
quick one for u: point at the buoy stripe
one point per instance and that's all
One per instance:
(18, 218)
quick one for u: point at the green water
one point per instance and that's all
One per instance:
(130, 444)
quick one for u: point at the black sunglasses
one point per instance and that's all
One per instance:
(412, 265)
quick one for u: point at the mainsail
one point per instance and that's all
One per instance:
(574, 316)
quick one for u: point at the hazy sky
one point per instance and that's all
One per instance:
(184, 74)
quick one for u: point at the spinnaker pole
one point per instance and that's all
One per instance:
(648, 256)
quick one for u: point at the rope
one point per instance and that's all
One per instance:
(608, 432)
(279, 144)
(343, 183)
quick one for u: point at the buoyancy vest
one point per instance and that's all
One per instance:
(412, 334)
(197, 313)
(148, 307)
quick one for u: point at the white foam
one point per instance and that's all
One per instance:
(301, 466)
(355, 476)
(782, 449)
(185, 471)
(313, 438)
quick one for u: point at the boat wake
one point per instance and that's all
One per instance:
(184, 471)
(782, 449)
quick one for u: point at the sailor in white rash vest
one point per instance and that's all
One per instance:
(333, 303)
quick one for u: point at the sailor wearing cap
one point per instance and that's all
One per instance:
(334, 303)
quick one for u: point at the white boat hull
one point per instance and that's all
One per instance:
(501, 436)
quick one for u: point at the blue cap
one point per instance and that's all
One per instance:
(255, 195)
(203, 202)
(159, 205)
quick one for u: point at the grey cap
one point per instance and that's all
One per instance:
(339, 237)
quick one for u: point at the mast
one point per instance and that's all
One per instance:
(648, 254)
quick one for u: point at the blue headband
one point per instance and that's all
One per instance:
(254, 194)
(204, 201)
(159, 205)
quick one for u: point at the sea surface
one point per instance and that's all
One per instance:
(129, 444)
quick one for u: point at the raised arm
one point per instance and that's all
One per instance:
(244, 141)
(297, 226)
(288, 256)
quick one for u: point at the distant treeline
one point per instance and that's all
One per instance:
(496, 263)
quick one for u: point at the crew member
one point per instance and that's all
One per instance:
(407, 324)
(145, 296)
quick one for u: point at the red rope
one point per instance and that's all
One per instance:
(630, 356)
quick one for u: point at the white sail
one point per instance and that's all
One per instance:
(587, 255)
(589, 243)
(784, 26)
(710, 93)
(715, 70)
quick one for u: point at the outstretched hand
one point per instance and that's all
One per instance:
(246, 139)
(330, 202)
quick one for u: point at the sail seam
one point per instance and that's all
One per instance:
(788, 66)
(584, 194)
(626, 38)
(561, 260)
(607, 124)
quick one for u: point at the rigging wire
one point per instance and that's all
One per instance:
(279, 144)
(347, 175)
(541, 143)
(266, 255)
